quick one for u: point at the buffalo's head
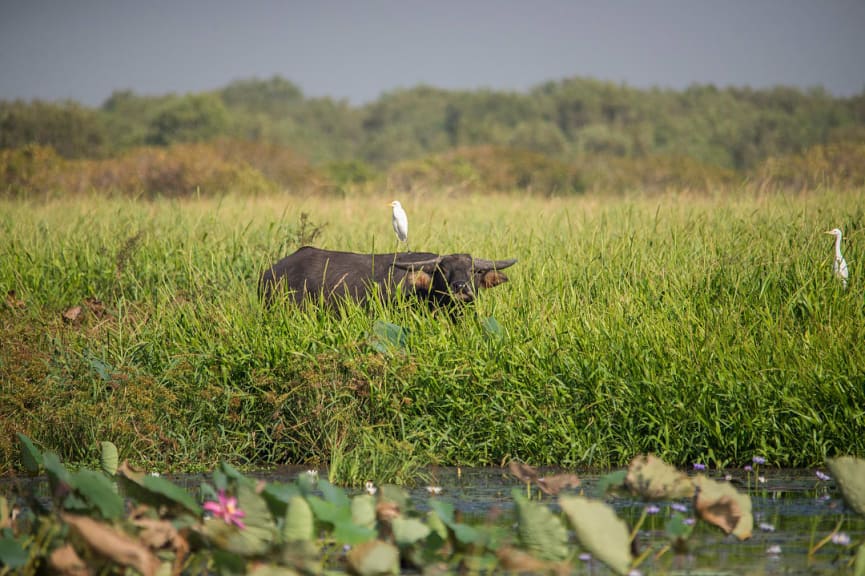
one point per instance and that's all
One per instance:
(453, 277)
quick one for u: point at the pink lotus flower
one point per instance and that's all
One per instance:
(227, 509)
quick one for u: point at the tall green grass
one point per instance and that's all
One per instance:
(698, 328)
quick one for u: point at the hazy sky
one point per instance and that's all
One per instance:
(86, 49)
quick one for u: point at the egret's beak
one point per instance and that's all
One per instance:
(829, 232)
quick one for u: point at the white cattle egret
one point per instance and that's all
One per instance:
(839, 266)
(400, 222)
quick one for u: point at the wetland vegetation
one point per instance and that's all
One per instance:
(674, 296)
(697, 327)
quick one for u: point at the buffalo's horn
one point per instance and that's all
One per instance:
(481, 264)
(418, 263)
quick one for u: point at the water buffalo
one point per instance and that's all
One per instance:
(441, 280)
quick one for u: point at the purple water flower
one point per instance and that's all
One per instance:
(758, 460)
(226, 508)
(652, 509)
(748, 468)
(585, 557)
(689, 521)
(699, 466)
(679, 507)
(823, 476)
(841, 539)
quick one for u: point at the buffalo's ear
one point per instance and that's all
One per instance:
(419, 280)
(492, 278)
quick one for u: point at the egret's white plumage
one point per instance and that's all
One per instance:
(400, 222)
(839, 266)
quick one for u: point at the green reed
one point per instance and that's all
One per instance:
(697, 328)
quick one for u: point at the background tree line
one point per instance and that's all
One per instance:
(567, 135)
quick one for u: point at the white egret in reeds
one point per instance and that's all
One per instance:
(839, 266)
(400, 222)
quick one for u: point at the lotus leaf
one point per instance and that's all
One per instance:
(373, 558)
(407, 531)
(720, 504)
(849, 473)
(363, 510)
(109, 458)
(540, 532)
(599, 531)
(653, 479)
(114, 544)
(299, 521)
(31, 457)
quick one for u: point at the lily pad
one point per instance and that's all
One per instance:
(610, 482)
(540, 532)
(109, 458)
(99, 492)
(653, 479)
(718, 503)
(299, 521)
(347, 532)
(603, 534)
(374, 558)
(156, 491)
(334, 494)
(31, 457)
(114, 544)
(363, 510)
(259, 531)
(12, 554)
(859, 563)
(492, 328)
(849, 474)
(462, 532)
(387, 337)
(407, 531)
(58, 476)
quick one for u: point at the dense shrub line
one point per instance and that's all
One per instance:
(251, 168)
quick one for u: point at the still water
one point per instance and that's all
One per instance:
(793, 510)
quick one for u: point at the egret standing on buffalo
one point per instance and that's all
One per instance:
(839, 266)
(400, 223)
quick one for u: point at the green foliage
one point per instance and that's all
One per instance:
(701, 329)
(487, 168)
(69, 128)
(540, 531)
(572, 120)
(31, 457)
(238, 529)
(820, 166)
(599, 531)
(849, 473)
(193, 118)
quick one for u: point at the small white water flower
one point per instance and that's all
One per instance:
(766, 527)
(773, 550)
(370, 488)
(434, 490)
(841, 539)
